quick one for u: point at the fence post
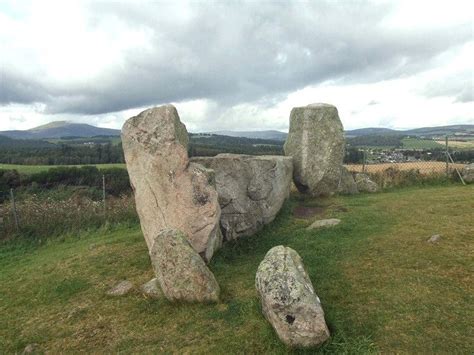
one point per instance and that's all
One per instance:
(363, 160)
(103, 194)
(447, 158)
(15, 214)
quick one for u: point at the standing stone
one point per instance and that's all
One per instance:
(170, 192)
(468, 173)
(251, 189)
(180, 271)
(316, 143)
(347, 184)
(288, 299)
(364, 184)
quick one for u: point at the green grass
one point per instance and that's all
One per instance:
(382, 286)
(32, 169)
(416, 143)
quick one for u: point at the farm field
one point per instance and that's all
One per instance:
(415, 143)
(467, 144)
(425, 167)
(384, 289)
(31, 169)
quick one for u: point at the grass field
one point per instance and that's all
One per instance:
(383, 287)
(415, 143)
(425, 167)
(31, 169)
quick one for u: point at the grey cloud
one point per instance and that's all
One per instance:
(459, 85)
(466, 95)
(242, 52)
(17, 88)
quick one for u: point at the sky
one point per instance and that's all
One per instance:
(237, 65)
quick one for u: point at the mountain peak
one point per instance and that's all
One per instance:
(58, 129)
(54, 124)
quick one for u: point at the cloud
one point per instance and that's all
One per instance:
(108, 57)
(466, 95)
(458, 85)
(236, 65)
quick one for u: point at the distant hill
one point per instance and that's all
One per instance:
(371, 132)
(64, 129)
(457, 130)
(271, 134)
(61, 129)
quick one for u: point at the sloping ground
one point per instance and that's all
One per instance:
(383, 287)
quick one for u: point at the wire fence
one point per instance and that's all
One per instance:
(40, 212)
(418, 159)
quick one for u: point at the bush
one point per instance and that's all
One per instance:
(117, 182)
(83, 176)
(394, 177)
(43, 216)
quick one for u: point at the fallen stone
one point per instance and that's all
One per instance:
(316, 143)
(347, 184)
(288, 299)
(180, 271)
(121, 289)
(434, 239)
(152, 289)
(365, 184)
(468, 173)
(170, 192)
(324, 223)
(251, 190)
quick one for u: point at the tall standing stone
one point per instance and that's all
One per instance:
(170, 192)
(316, 143)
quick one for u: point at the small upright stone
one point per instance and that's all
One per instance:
(347, 184)
(468, 173)
(316, 143)
(365, 184)
(152, 289)
(170, 192)
(181, 272)
(288, 299)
